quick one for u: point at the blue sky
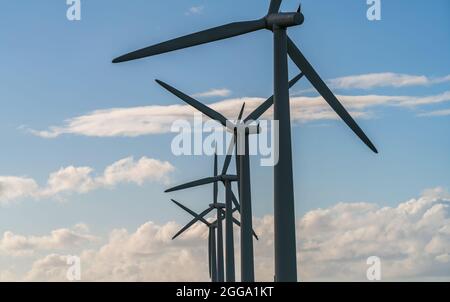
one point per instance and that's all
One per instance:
(53, 70)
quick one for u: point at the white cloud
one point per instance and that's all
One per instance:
(129, 171)
(412, 240)
(213, 93)
(60, 239)
(81, 180)
(51, 268)
(8, 276)
(337, 240)
(69, 179)
(443, 112)
(195, 10)
(385, 79)
(16, 187)
(127, 257)
(137, 121)
(130, 122)
(315, 108)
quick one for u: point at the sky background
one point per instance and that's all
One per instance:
(53, 70)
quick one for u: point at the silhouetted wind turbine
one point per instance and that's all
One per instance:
(212, 244)
(212, 226)
(242, 166)
(229, 199)
(276, 22)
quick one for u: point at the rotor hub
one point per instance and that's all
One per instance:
(247, 127)
(217, 205)
(227, 177)
(284, 20)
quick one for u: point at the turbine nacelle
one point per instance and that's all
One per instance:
(228, 177)
(217, 205)
(236, 127)
(284, 20)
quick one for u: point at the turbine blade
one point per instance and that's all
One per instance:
(228, 157)
(326, 93)
(235, 201)
(261, 109)
(254, 234)
(192, 184)
(241, 112)
(192, 222)
(216, 188)
(215, 163)
(236, 222)
(194, 103)
(274, 6)
(202, 37)
(195, 215)
(231, 146)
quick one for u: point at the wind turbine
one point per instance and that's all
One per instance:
(212, 243)
(229, 199)
(277, 22)
(242, 166)
(212, 253)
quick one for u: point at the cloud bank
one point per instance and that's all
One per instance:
(443, 112)
(150, 120)
(385, 79)
(412, 239)
(213, 93)
(61, 239)
(80, 180)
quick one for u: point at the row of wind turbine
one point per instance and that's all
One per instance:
(283, 47)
